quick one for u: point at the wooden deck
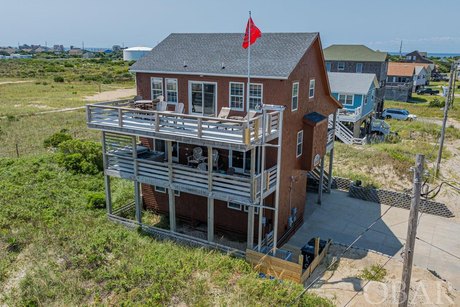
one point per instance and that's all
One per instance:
(192, 129)
(237, 188)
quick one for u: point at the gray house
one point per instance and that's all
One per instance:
(359, 59)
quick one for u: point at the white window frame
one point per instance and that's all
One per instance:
(256, 209)
(338, 66)
(296, 96)
(230, 96)
(167, 91)
(156, 79)
(359, 65)
(311, 88)
(190, 83)
(234, 206)
(347, 95)
(160, 189)
(261, 95)
(300, 133)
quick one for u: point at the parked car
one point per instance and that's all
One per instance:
(399, 114)
(428, 91)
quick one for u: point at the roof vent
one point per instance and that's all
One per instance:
(185, 64)
(223, 66)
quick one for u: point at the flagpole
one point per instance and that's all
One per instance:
(249, 68)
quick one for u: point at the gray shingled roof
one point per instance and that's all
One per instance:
(351, 83)
(357, 53)
(273, 55)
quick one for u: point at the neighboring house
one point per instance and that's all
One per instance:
(400, 81)
(356, 92)
(242, 175)
(75, 51)
(417, 57)
(359, 59)
(88, 55)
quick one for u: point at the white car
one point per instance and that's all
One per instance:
(399, 114)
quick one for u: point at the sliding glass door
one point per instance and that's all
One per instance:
(202, 98)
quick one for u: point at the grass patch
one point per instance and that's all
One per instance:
(70, 254)
(374, 272)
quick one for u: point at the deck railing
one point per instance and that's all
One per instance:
(350, 115)
(106, 116)
(184, 178)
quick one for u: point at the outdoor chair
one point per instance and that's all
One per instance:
(250, 115)
(162, 106)
(202, 167)
(179, 108)
(197, 156)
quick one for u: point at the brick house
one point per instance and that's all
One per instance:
(359, 59)
(250, 178)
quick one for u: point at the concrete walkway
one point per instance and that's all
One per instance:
(342, 219)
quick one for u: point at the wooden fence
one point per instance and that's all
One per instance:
(283, 269)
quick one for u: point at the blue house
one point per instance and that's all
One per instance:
(356, 92)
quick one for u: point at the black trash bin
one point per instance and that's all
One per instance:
(308, 251)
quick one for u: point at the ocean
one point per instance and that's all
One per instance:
(434, 54)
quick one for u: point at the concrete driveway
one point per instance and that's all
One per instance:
(342, 219)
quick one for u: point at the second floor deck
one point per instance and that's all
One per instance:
(240, 134)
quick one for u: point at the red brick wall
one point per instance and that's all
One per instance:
(293, 170)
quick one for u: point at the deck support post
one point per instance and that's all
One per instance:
(137, 190)
(210, 219)
(171, 198)
(321, 181)
(108, 191)
(250, 240)
(210, 199)
(278, 177)
(263, 184)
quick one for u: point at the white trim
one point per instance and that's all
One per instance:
(230, 96)
(296, 96)
(207, 74)
(261, 94)
(190, 95)
(166, 90)
(297, 144)
(151, 87)
(314, 88)
(246, 209)
(345, 103)
(229, 203)
(159, 189)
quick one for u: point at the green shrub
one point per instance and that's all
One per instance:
(58, 79)
(436, 103)
(392, 138)
(80, 156)
(57, 138)
(95, 200)
(374, 272)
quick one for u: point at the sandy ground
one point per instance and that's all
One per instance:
(112, 95)
(12, 82)
(344, 287)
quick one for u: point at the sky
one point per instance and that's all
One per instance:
(422, 25)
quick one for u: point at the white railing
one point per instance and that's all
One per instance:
(350, 115)
(190, 178)
(104, 116)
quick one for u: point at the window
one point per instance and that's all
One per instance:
(359, 67)
(255, 95)
(295, 96)
(311, 89)
(171, 90)
(236, 96)
(234, 206)
(160, 146)
(408, 57)
(328, 66)
(346, 99)
(341, 66)
(160, 189)
(256, 209)
(299, 143)
(157, 87)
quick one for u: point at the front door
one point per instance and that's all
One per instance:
(202, 98)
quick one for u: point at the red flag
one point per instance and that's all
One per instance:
(255, 34)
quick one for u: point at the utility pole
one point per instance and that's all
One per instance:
(452, 99)
(400, 51)
(444, 121)
(411, 231)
